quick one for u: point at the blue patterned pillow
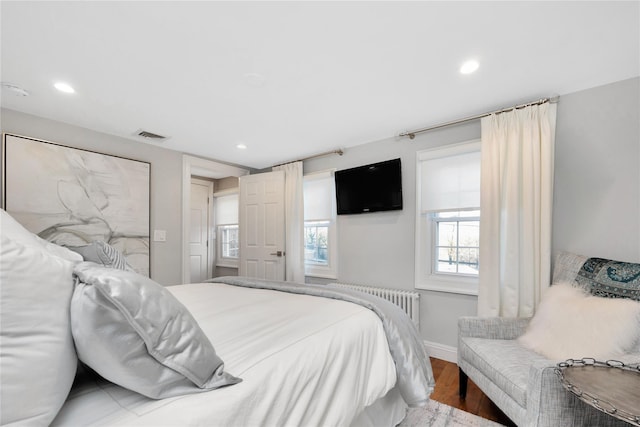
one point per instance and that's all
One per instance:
(612, 279)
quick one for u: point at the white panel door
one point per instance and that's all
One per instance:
(262, 226)
(199, 231)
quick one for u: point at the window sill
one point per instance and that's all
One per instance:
(452, 285)
(229, 264)
(321, 275)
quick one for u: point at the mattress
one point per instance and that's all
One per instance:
(303, 360)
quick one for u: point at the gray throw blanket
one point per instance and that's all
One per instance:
(413, 368)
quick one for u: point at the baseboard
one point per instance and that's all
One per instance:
(442, 351)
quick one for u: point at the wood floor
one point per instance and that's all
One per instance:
(446, 391)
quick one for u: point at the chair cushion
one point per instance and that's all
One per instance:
(504, 362)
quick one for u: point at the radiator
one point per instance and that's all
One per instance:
(409, 301)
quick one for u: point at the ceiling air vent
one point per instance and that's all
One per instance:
(150, 135)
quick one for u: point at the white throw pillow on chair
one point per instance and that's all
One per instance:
(572, 324)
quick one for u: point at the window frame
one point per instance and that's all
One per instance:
(330, 270)
(426, 276)
(318, 224)
(226, 261)
(434, 219)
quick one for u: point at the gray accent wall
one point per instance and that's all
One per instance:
(166, 180)
(378, 249)
(597, 172)
(596, 199)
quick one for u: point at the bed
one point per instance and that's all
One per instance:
(301, 359)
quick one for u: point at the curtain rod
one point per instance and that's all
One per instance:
(339, 152)
(412, 133)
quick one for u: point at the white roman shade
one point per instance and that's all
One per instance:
(319, 196)
(450, 180)
(227, 209)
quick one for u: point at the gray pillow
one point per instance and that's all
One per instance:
(567, 265)
(135, 333)
(102, 253)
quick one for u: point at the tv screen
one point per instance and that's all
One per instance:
(370, 188)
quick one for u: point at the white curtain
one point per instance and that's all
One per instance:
(294, 221)
(515, 200)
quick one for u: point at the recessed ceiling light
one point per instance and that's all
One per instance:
(64, 87)
(469, 67)
(241, 146)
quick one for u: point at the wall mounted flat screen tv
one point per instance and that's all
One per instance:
(370, 188)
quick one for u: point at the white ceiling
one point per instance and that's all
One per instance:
(292, 79)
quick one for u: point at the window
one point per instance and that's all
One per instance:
(320, 254)
(457, 237)
(227, 229)
(229, 240)
(448, 218)
(316, 239)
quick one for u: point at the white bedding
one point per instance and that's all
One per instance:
(304, 361)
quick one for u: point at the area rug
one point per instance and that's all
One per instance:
(437, 414)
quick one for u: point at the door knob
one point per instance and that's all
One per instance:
(278, 253)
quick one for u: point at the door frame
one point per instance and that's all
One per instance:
(199, 167)
(210, 223)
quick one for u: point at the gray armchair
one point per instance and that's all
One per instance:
(520, 382)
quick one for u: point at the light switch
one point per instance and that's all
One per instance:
(159, 235)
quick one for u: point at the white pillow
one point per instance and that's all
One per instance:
(14, 230)
(572, 324)
(135, 333)
(37, 356)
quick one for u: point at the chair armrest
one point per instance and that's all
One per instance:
(498, 328)
(550, 405)
(546, 393)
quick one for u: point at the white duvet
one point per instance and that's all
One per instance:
(304, 361)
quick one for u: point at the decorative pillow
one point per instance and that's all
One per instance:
(14, 230)
(37, 357)
(566, 266)
(570, 323)
(102, 253)
(612, 279)
(135, 333)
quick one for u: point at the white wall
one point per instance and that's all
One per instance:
(597, 199)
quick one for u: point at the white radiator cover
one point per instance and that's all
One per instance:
(409, 301)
